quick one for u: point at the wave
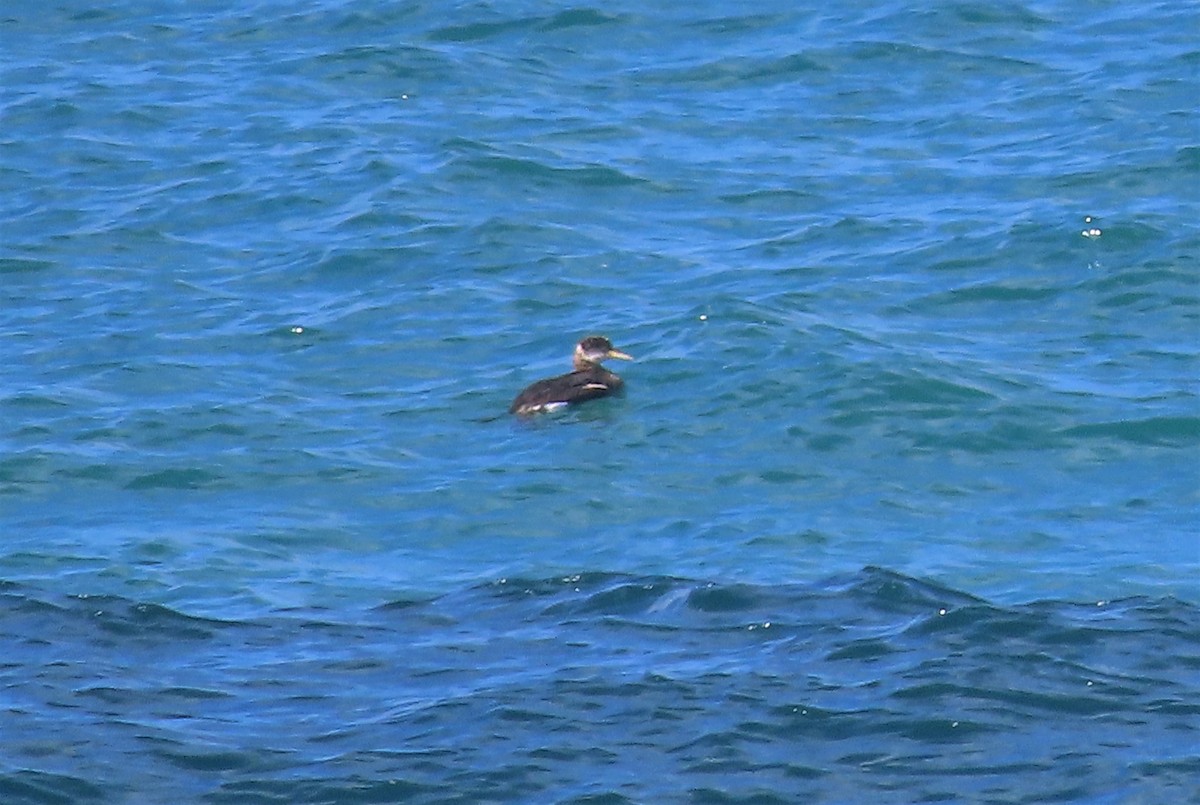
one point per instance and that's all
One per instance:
(519, 687)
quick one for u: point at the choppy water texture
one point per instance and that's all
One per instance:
(901, 502)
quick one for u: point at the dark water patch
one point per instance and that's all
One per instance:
(316, 791)
(523, 685)
(1188, 158)
(116, 616)
(922, 389)
(579, 18)
(106, 621)
(35, 402)
(895, 592)
(175, 478)
(194, 694)
(623, 598)
(606, 798)
(197, 760)
(1146, 275)
(23, 265)
(1181, 432)
(540, 173)
(734, 24)
(32, 787)
(994, 292)
(735, 71)
(479, 31)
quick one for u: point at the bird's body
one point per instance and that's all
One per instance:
(589, 381)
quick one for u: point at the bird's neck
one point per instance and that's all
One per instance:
(581, 364)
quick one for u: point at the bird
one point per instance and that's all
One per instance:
(589, 381)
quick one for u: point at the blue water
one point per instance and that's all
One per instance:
(900, 504)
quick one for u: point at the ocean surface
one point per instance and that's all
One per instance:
(901, 504)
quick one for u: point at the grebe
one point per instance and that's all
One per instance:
(589, 381)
